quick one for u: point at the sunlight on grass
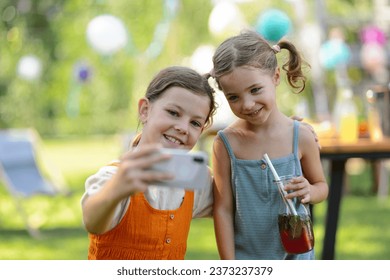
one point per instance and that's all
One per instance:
(61, 243)
(364, 229)
(319, 228)
(81, 156)
(201, 241)
(42, 211)
(363, 232)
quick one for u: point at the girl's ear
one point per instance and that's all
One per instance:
(143, 109)
(277, 76)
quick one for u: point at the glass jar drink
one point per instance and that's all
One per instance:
(295, 227)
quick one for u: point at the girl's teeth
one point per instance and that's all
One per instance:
(174, 140)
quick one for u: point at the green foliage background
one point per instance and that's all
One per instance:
(55, 31)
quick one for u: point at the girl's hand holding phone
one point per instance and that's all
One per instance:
(135, 171)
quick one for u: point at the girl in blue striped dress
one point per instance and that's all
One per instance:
(246, 200)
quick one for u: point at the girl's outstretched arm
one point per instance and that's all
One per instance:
(223, 201)
(133, 175)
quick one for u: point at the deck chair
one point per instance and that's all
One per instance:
(20, 172)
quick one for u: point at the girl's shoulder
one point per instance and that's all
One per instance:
(307, 137)
(235, 130)
(232, 135)
(306, 131)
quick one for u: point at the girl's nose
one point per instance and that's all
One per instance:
(247, 104)
(182, 128)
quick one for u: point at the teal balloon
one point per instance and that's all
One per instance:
(273, 24)
(334, 53)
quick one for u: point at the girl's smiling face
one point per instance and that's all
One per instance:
(176, 119)
(250, 92)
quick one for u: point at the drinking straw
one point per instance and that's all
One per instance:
(280, 185)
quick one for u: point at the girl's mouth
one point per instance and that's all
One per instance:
(173, 140)
(254, 113)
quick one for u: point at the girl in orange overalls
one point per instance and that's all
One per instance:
(126, 216)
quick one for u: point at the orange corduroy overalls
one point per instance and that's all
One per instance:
(146, 233)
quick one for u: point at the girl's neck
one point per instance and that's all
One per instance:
(273, 137)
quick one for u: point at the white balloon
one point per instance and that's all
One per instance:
(29, 67)
(107, 34)
(201, 59)
(226, 18)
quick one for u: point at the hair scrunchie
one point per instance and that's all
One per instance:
(276, 48)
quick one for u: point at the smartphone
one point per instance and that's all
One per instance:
(189, 168)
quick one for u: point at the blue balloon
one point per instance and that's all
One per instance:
(273, 24)
(334, 53)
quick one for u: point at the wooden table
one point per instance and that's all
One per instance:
(338, 153)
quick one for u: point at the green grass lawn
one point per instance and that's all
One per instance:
(364, 227)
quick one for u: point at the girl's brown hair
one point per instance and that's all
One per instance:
(250, 49)
(184, 77)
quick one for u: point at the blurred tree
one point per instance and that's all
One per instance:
(80, 91)
(102, 101)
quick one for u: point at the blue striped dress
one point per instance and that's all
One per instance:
(256, 202)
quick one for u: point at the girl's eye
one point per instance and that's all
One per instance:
(231, 98)
(255, 90)
(196, 124)
(173, 113)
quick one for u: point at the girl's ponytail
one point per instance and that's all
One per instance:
(293, 66)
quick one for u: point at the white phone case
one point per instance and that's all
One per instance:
(190, 169)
